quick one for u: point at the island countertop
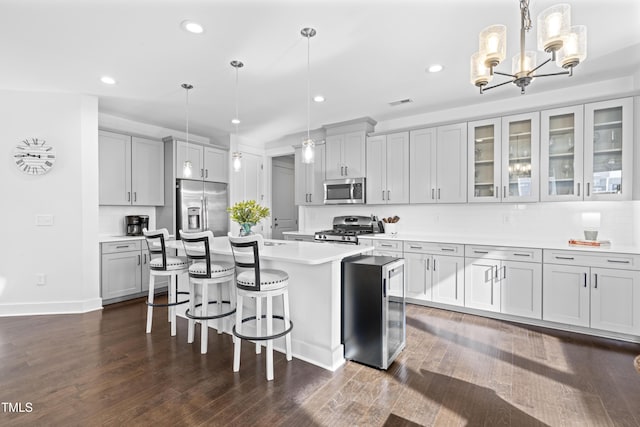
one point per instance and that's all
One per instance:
(309, 253)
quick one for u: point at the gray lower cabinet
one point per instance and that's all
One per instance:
(299, 237)
(124, 271)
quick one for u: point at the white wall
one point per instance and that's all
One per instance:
(67, 252)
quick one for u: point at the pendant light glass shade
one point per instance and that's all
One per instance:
(308, 146)
(187, 167)
(480, 73)
(237, 161)
(493, 44)
(553, 25)
(574, 48)
(522, 65)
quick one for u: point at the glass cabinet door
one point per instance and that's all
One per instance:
(562, 148)
(520, 158)
(484, 161)
(608, 141)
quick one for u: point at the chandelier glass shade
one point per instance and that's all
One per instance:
(566, 45)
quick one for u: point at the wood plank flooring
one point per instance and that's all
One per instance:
(101, 368)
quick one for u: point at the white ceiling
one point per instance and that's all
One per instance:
(365, 55)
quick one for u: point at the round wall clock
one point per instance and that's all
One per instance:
(34, 156)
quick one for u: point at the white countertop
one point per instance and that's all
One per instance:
(301, 232)
(105, 238)
(309, 253)
(503, 241)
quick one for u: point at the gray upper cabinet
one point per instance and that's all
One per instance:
(131, 170)
(345, 155)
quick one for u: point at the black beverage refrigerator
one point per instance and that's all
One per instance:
(373, 309)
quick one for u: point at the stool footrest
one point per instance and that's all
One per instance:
(262, 337)
(169, 304)
(217, 316)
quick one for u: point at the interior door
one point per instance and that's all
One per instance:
(284, 215)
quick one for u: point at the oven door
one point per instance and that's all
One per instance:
(344, 191)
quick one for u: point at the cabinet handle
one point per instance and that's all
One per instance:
(517, 254)
(448, 249)
(497, 192)
(382, 194)
(388, 195)
(480, 252)
(496, 276)
(415, 247)
(128, 196)
(145, 258)
(310, 198)
(570, 258)
(433, 193)
(578, 190)
(299, 240)
(341, 170)
(386, 245)
(201, 173)
(588, 189)
(428, 262)
(206, 173)
(138, 259)
(438, 194)
(135, 196)
(504, 192)
(619, 261)
(122, 247)
(504, 271)
(346, 170)
(595, 280)
(585, 280)
(434, 269)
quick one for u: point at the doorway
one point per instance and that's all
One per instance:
(285, 213)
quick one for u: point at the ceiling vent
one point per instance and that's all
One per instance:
(401, 102)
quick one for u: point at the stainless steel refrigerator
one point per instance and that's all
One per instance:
(202, 206)
(373, 309)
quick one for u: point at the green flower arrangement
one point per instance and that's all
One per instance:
(247, 213)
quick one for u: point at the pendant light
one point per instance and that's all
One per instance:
(236, 155)
(308, 144)
(187, 167)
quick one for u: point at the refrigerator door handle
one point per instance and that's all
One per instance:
(205, 214)
(384, 287)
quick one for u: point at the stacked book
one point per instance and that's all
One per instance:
(590, 243)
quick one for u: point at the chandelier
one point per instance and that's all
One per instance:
(566, 45)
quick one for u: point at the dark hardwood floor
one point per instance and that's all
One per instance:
(101, 368)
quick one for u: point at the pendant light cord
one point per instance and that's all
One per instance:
(187, 108)
(308, 87)
(237, 117)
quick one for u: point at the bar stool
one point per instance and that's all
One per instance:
(203, 272)
(161, 265)
(258, 283)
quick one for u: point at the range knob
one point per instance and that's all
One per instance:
(344, 238)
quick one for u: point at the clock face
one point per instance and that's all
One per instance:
(34, 156)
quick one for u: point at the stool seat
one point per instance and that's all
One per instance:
(218, 268)
(162, 265)
(270, 279)
(173, 263)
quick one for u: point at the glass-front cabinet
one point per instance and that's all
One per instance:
(608, 149)
(521, 158)
(562, 154)
(484, 149)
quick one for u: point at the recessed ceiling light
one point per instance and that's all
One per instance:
(318, 98)
(192, 27)
(235, 121)
(435, 68)
(108, 80)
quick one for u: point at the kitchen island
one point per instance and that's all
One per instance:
(314, 294)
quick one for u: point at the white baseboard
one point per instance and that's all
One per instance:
(40, 308)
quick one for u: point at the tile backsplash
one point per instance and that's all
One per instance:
(620, 221)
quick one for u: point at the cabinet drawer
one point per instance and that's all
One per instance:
(433, 248)
(593, 259)
(123, 246)
(388, 245)
(504, 253)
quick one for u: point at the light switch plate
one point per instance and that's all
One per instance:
(44, 220)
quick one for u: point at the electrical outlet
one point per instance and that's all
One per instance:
(44, 220)
(41, 279)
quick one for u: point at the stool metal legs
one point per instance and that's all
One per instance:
(238, 343)
(150, 300)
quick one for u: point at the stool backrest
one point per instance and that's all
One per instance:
(156, 244)
(246, 255)
(197, 247)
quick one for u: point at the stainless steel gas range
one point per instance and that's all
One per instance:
(346, 229)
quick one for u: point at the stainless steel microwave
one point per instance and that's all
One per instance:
(344, 191)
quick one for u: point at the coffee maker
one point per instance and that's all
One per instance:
(134, 224)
